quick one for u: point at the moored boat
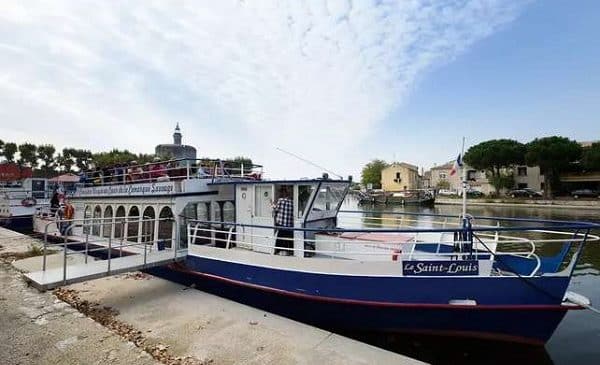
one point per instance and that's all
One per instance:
(360, 271)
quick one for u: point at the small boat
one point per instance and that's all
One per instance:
(424, 197)
(460, 275)
(19, 200)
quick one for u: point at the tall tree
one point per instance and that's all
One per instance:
(590, 160)
(371, 173)
(115, 156)
(553, 155)
(83, 158)
(65, 160)
(46, 154)
(495, 157)
(9, 151)
(28, 155)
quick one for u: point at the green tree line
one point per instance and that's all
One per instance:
(46, 161)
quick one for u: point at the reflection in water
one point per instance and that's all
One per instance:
(575, 340)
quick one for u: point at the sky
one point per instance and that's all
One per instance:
(336, 82)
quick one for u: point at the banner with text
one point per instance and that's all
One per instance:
(158, 188)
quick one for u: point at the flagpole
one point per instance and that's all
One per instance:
(464, 180)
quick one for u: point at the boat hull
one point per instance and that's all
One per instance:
(510, 311)
(22, 223)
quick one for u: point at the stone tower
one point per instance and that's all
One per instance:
(177, 135)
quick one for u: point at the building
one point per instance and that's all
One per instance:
(525, 177)
(176, 150)
(400, 176)
(528, 177)
(440, 178)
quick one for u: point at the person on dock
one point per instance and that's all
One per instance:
(284, 221)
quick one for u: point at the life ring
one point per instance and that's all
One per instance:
(28, 202)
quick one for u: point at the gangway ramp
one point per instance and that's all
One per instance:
(69, 274)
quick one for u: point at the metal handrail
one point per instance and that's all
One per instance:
(91, 222)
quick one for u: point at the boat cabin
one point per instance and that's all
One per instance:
(249, 204)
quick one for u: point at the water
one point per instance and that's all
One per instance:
(576, 340)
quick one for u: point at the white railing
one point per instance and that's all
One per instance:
(144, 243)
(170, 170)
(338, 248)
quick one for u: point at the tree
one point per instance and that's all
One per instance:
(65, 160)
(590, 159)
(9, 151)
(83, 158)
(1, 148)
(113, 157)
(46, 154)
(443, 184)
(495, 156)
(28, 155)
(236, 164)
(553, 155)
(371, 173)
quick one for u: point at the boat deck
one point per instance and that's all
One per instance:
(52, 278)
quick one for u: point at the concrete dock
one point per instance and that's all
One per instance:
(155, 320)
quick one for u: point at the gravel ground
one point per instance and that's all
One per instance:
(37, 328)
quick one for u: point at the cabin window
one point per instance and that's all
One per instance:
(304, 194)
(119, 222)
(203, 211)
(133, 224)
(148, 225)
(107, 222)
(217, 212)
(228, 212)
(97, 221)
(165, 226)
(329, 196)
(87, 214)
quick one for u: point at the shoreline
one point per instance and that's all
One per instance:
(527, 203)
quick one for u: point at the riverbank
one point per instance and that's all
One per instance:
(529, 203)
(148, 320)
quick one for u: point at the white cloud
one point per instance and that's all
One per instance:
(242, 77)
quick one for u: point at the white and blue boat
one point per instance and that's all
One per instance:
(19, 201)
(486, 277)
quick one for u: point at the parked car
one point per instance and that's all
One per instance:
(472, 193)
(587, 193)
(525, 192)
(447, 192)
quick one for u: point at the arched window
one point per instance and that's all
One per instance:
(148, 225)
(119, 222)
(97, 221)
(228, 212)
(203, 211)
(165, 226)
(107, 222)
(133, 219)
(87, 214)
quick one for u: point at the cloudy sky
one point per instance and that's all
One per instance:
(337, 82)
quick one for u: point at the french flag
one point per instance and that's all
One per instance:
(457, 164)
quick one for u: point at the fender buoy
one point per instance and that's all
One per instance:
(395, 254)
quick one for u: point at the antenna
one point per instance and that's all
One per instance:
(308, 162)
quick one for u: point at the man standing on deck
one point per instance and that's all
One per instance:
(284, 221)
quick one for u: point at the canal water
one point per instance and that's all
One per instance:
(576, 340)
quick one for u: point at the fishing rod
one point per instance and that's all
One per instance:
(309, 162)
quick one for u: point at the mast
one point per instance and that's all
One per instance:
(464, 180)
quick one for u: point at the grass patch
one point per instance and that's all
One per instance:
(33, 251)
